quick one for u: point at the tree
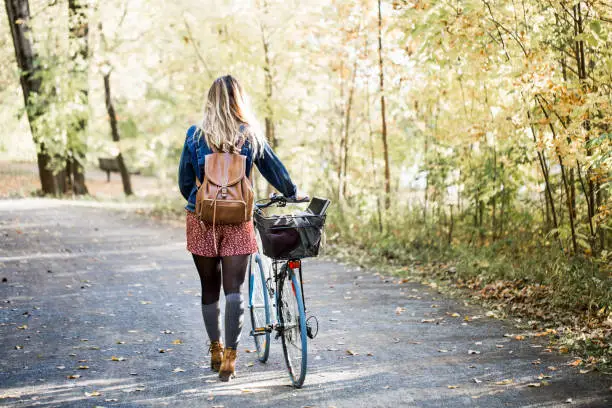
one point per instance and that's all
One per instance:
(79, 49)
(383, 117)
(18, 12)
(112, 116)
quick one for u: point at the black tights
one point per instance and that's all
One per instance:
(234, 272)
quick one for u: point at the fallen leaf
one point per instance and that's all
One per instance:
(23, 327)
(177, 341)
(114, 358)
(455, 315)
(534, 385)
(83, 367)
(93, 394)
(399, 310)
(476, 380)
(246, 390)
(145, 302)
(73, 376)
(452, 387)
(351, 353)
(504, 382)
(519, 337)
(250, 364)
(543, 376)
(563, 349)
(178, 370)
(575, 363)
(428, 320)
(442, 351)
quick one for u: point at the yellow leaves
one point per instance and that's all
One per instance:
(452, 387)
(505, 382)
(93, 394)
(23, 327)
(177, 341)
(73, 376)
(351, 353)
(546, 332)
(575, 363)
(115, 358)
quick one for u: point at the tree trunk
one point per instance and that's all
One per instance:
(18, 13)
(125, 175)
(383, 113)
(346, 137)
(374, 177)
(269, 81)
(78, 36)
(570, 210)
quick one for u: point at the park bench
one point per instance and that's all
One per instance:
(109, 164)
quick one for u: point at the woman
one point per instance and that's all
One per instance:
(228, 126)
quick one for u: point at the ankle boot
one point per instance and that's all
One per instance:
(228, 367)
(216, 355)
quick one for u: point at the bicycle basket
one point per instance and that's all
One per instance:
(294, 236)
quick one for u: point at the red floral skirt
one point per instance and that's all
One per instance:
(231, 239)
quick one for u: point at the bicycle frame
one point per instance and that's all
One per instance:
(284, 267)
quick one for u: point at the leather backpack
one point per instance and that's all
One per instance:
(225, 196)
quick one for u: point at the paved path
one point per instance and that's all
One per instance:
(88, 286)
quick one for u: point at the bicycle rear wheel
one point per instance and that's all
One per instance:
(259, 307)
(293, 320)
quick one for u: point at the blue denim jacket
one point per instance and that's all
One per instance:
(269, 166)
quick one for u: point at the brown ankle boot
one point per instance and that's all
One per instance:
(216, 355)
(228, 367)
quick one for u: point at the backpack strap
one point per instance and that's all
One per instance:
(197, 176)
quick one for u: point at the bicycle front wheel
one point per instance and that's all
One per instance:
(293, 322)
(259, 307)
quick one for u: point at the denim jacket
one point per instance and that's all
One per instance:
(268, 163)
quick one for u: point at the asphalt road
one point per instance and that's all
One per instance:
(111, 299)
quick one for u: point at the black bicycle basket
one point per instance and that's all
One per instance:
(293, 236)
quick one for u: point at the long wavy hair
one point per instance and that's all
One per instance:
(227, 108)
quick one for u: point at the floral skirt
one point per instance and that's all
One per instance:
(231, 239)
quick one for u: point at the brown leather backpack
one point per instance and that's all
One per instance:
(225, 196)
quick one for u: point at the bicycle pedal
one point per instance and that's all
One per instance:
(312, 327)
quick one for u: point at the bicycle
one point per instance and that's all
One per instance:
(275, 280)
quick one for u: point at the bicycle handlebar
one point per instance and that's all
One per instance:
(280, 201)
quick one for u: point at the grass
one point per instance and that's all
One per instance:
(521, 273)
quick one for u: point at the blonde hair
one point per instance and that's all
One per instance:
(227, 108)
